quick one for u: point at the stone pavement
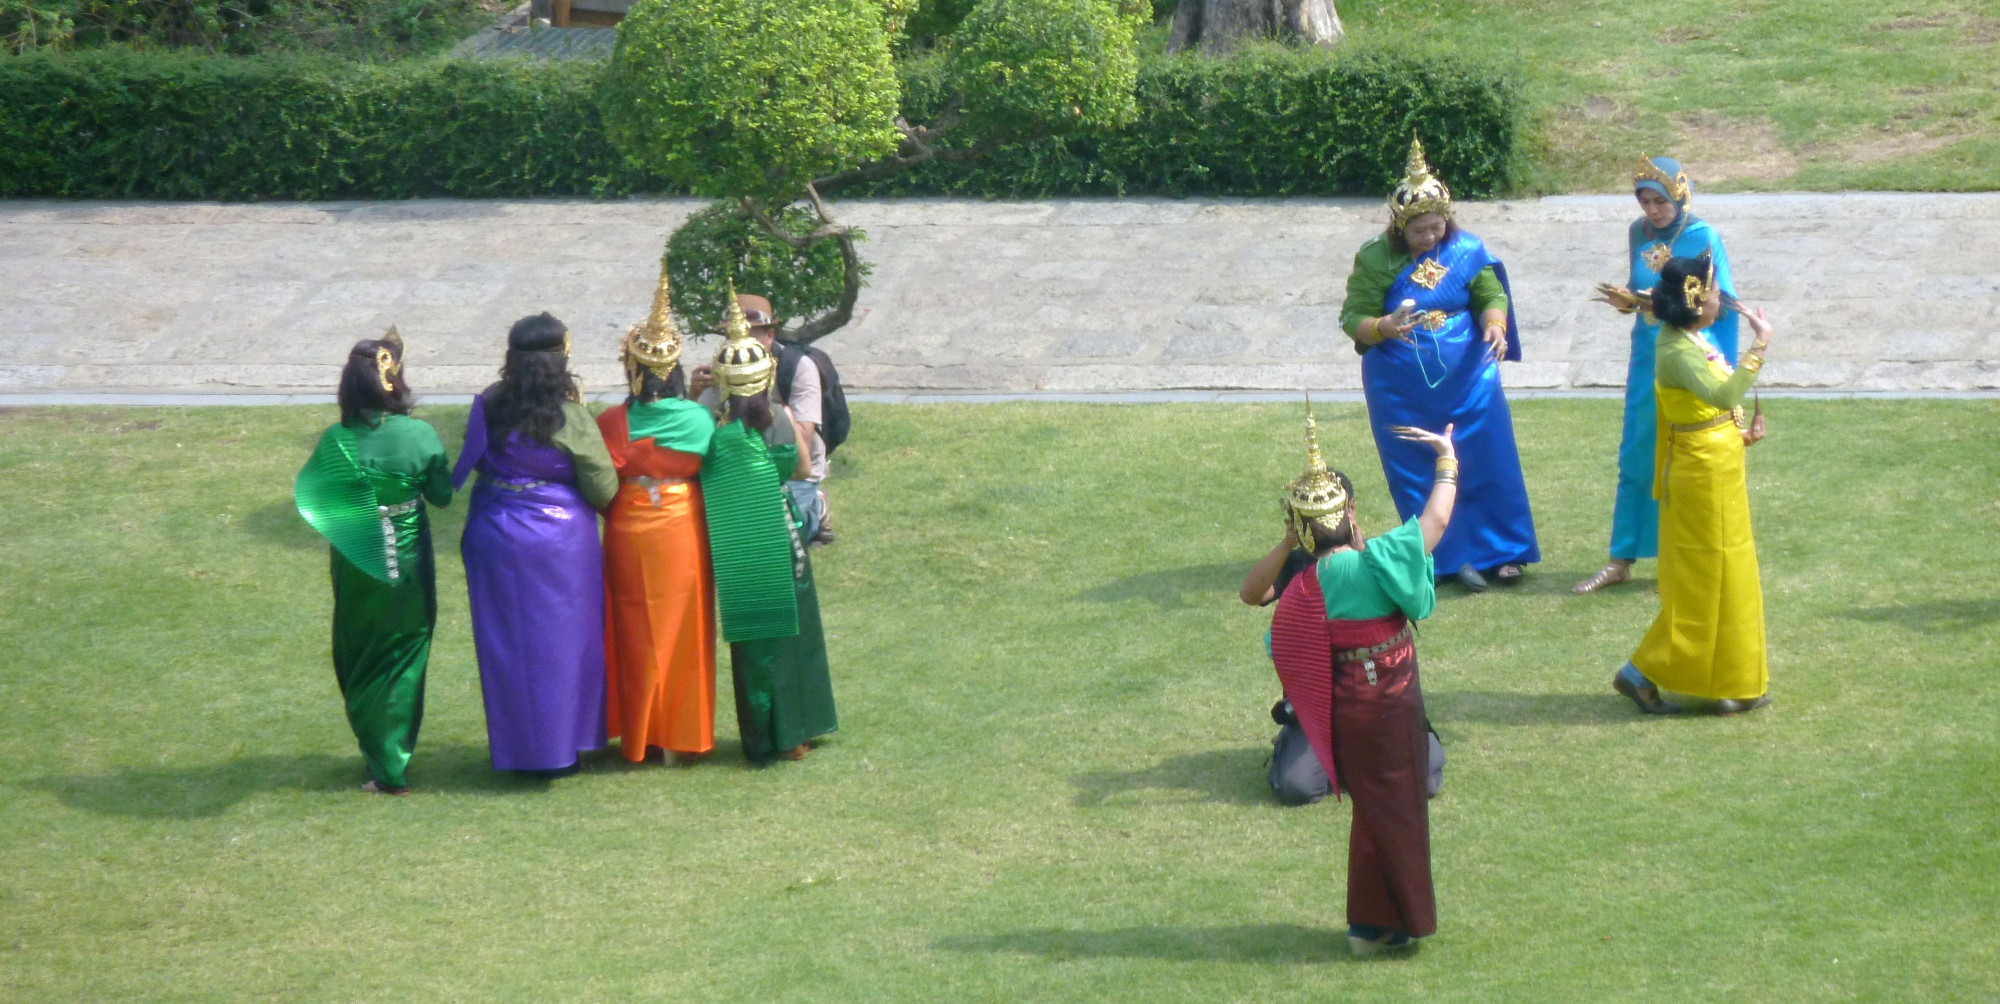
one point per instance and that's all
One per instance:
(1872, 292)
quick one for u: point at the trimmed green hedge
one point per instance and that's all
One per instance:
(119, 124)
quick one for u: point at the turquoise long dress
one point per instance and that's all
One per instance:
(1635, 516)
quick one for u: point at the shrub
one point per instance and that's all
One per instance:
(118, 124)
(720, 243)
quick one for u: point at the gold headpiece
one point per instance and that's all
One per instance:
(1420, 191)
(653, 346)
(743, 366)
(389, 359)
(1316, 495)
(1694, 288)
(1677, 186)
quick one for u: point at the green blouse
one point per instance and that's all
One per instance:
(1376, 267)
(408, 449)
(1392, 573)
(1681, 364)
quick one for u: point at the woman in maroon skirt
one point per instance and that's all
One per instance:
(1341, 639)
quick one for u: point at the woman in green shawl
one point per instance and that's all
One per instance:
(763, 578)
(364, 489)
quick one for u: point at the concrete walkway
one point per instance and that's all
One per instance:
(1873, 292)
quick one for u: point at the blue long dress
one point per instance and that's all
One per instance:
(1635, 516)
(1445, 374)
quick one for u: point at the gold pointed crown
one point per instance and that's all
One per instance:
(389, 359)
(1420, 191)
(743, 366)
(653, 345)
(1694, 288)
(1678, 188)
(1315, 496)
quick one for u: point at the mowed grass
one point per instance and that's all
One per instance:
(1049, 779)
(1752, 94)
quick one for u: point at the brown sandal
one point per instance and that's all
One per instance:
(1611, 574)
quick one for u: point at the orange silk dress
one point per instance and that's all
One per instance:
(659, 632)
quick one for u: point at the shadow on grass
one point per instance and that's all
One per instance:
(1500, 707)
(1234, 776)
(195, 792)
(1174, 588)
(1280, 944)
(1934, 615)
(280, 523)
(1541, 581)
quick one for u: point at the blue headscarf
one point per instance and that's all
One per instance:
(1676, 189)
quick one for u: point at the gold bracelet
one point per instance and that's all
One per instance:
(1446, 479)
(1447, 465)
(1752, 361)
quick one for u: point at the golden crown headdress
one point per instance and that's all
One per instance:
(654, 345)
(1420, 191)
(743, 366)
(1315, 496)
(1694, 289)
(1678, 188)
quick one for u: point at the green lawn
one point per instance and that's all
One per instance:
(1754, 94)
(1049, 781)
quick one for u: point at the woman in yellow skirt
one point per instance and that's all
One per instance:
(1708, 640)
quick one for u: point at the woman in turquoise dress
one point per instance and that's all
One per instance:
(1429, 309)
(1666, 231)
(364, 489)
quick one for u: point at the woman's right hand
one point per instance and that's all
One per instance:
(1392, 327)
(1440, 443)
(1759, 326)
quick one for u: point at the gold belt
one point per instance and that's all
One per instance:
(1703, 426)
(1366, 656)
(653, 485)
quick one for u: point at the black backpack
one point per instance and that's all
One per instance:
(834, 420)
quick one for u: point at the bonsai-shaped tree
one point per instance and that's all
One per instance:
(769, 105)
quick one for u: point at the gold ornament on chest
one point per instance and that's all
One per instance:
(1429, 273)
(1656, 256)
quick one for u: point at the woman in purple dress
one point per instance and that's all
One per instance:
(534, 570)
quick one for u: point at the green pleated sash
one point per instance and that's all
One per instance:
(370, 517)
(749, 537)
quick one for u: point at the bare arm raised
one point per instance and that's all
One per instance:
(1444, 491)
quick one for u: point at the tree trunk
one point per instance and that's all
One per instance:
(1218, 25)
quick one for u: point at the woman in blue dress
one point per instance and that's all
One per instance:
(1666, 231)
(1429, 309)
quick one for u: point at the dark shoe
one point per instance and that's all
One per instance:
(1470, 578)
(1634, 685)
(1367, 939)
(1727, 707)
(821, 537)
(1510, 574)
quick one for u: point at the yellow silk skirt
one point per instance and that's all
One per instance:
(1708, 640)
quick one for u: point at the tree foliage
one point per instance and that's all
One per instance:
(722, 242)
(771, 103)
(1035, 67)
(752, 98)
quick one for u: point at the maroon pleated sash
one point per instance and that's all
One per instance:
(1303, 642)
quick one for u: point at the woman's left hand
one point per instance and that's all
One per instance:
(1755, 433)
(1496, 341)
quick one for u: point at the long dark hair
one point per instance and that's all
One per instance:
(755, 410)
(362, 399)
(1670, 293)
(652, 387)
(1401, 244)
(534, 382)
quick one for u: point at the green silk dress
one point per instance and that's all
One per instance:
(784, 689)
(364, 489)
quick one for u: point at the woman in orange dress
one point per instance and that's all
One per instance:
(659, 638)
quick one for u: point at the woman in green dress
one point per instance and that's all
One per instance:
(763, 577)
(364, 489)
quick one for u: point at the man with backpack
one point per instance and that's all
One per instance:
(808, 385)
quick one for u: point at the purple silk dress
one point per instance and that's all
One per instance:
(534, 572)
